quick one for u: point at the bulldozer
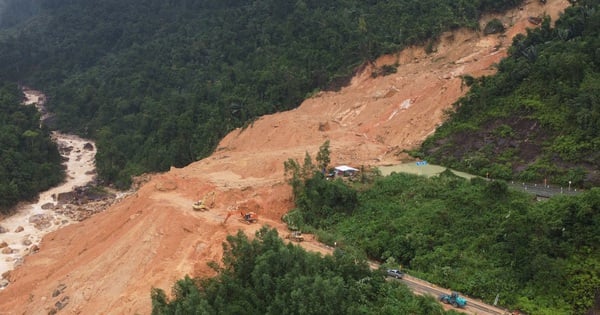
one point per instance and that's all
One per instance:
(295, 236)
(247, 217)
(204, 204)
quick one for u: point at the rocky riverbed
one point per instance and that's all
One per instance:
(76, 199)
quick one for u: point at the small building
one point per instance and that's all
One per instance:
(345, 170)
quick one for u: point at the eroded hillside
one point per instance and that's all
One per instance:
(108, 263)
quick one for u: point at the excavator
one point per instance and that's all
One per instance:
(247, 217)
(203, 204)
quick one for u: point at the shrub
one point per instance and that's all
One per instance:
(493, 27)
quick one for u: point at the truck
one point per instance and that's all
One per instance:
(454, 299)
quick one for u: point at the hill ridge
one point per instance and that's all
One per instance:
(108, 263)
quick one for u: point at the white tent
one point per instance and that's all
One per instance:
(345, 168)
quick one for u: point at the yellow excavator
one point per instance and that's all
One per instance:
(205, 204)
(247, 217)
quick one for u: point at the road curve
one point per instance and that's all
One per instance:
(418, 286)
(474, 306)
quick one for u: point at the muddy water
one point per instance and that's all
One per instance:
(25, 229)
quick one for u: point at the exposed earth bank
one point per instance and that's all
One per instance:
(108, 264)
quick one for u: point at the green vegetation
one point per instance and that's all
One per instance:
(473, 236)
(494, 26)
(265, 276)
(538, 117)
(12, 12)
(29, 160)
(159, 83)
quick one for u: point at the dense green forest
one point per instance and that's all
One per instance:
(475, 236)
(12, 12)
(265, 276)
(539, 116)
(157, 84)
(29, 160)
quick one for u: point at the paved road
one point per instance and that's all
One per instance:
(540, 190)
(544, 191)
(474, 306)
(418, 286)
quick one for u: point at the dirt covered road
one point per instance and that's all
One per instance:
(109, 263)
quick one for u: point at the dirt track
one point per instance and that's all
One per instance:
(108, 263)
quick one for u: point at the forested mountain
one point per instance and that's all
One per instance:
(13, 12)
(158, 84)
(29, 160)
(265, 276)
(477, 236)
(539, 117)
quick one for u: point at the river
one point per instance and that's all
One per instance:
(25, 229)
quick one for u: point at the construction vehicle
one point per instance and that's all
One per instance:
(295, 236)
(454, 299)
(205, 204)
(247, 217)
(199, 206)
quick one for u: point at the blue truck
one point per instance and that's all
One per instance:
(454, 299)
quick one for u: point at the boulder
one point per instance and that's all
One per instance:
(62, 303)
(7, 250)
(48, 206)
(19, 229)
(33, 249)
(41, 221)
(535, 20)
(66, 197)
(324, 126)
(59, 290)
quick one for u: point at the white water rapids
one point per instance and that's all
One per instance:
(21, 232)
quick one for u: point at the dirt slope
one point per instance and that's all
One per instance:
(109, 263)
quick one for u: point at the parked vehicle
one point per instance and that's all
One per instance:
(394, 273)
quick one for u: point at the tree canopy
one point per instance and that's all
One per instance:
(474, 236)
(537, 119)
(29, 160)
(159, 83)
(265, 276)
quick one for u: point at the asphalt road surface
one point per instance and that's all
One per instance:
(419, 286)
